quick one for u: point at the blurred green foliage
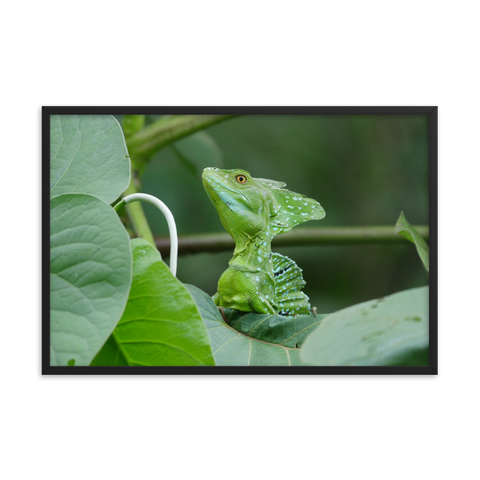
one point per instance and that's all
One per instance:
(363, 169)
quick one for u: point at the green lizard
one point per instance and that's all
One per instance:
(253, 211)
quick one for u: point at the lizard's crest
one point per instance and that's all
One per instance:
(290, 208)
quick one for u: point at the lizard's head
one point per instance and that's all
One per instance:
(240, 200)
(252, 205)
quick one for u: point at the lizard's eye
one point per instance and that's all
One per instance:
(241, 178)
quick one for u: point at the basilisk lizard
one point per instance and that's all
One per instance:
(253, 211)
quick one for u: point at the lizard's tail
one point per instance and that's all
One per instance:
(288, 285)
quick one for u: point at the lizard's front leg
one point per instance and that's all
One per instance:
(261, 304)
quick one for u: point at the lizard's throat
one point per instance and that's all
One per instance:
(252, 253)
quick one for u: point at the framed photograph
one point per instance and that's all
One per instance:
(239, 240)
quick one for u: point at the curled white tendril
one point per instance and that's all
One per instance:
(172, 228)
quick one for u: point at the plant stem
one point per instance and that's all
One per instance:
(137, 217)
(217, 242)
(167, 130)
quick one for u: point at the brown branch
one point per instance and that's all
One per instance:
(218, 242)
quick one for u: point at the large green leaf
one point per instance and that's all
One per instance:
(88, 155)
(387, 331)
(277, 329)
(161, 324)
(410, 233)
(232, 348)
(90, 275)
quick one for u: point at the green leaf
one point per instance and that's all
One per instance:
(277, 329)
(90, 275)
(161, 324)
(88, 155)
(410, 233)
(387, 331)
(232, 348)
(198, 151)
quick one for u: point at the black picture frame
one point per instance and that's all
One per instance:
(432, 369)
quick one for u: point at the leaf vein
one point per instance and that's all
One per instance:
(71, 160)
(226, 343)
